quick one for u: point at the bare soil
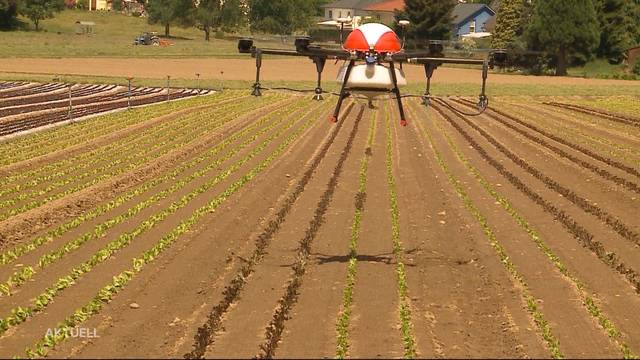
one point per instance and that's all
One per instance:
(244, 69)
(265, 273)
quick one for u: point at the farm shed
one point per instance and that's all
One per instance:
(633, 55)
(85, 27)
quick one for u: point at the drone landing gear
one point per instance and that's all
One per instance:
(343, 93)
(319, 61)
(256, 86)
(483, 100)
(429, 68)
(396, 90)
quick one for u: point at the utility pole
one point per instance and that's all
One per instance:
(129, 94)
(70, 104)
(168, 83)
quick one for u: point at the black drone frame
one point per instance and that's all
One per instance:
(430, 59)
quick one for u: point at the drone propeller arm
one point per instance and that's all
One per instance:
(312, 52)
(440, 61)
(396, 90)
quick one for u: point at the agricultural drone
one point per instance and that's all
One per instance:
(370, 54)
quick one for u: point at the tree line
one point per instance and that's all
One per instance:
(272, 16)
(570, 31)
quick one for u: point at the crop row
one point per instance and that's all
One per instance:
(107, 293)
(587, 300)
(156, 139)
(47, 101)
(628, 169)
(39, 119)
(22, 249)
(614, 223)
(580, 233)
(184, 137)
(274, 330)
(26, 273)
(398, 250)
(344, 318)
(627, 120)
(11, 84)
(585, 164)
(9, 256)
(565, 131)
(77, 133)
(86, 159)
(205, 333)
(30, 90)
(538, 317)
(40, 302)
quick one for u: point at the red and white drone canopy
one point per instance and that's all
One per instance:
(373, 36)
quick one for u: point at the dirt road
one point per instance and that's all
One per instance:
(244, 69)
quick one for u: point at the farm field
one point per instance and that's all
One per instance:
(232, 226)
(27, 105)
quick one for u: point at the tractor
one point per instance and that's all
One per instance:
(147, 38)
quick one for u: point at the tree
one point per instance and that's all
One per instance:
(217, 14)
(430, 19)
(509, 23)
(281, 16)
(36, 10)
(8, 13)
(170, 12)
(637, 20)
(618, 28)
(565, 28)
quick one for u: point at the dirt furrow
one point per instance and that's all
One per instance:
(334, 249)
(31, 222)
(194, 273)
(118, 220)
(463, 302)
(600, 295)
(579, 231)
(161, 142)
(599, 113)
(564, 324)
(206, 333)
(633, 186)
(198, 206)
(289, 299)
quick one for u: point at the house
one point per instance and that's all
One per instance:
(467, 18)
(99, 5)
(632, 55)
(347, 9)
(471, 18)
(384, 11)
